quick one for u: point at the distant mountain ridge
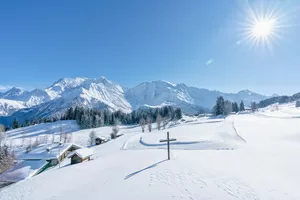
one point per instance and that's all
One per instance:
(104, 94)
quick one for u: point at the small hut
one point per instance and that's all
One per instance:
(81, 155)
(99, 140)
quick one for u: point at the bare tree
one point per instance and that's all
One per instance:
(2, 128)
(227, 107)
(2, 138)
(61, 133)
(36, 143)
(253, 106)
(29, 147)
(115, 131)
(92, 137)
(23, 140)
(158, 121)
(70, 137)
(142, 124)
(53, 138)
(165, 122)
(65, 137)
(149, 123)
(7, 158)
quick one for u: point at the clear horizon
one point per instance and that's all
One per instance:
(201, 44)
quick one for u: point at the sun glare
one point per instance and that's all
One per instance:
(263, 28)
(262, 25)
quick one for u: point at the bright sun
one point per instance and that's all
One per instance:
(262, 25)
(263, 28)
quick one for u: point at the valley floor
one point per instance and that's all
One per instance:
(243, 157)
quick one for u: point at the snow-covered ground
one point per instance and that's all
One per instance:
(247, 156)
(287, 110)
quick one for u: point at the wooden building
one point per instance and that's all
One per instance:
(81, 155)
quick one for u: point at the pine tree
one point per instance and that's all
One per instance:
(15, 124)
(178, 113)
(70, 114)
(242, 106)
(235, 107)
(253, 106)
(27, 122)
(219, 108)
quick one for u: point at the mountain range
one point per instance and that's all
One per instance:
(104, 94)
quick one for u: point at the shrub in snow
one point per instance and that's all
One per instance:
(92, 137)
(115, 130)
(6, 158)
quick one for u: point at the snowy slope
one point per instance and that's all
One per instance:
(287, 110)
(161, 93)
(189, 99)
(32, 98)
(7, 107)
(262, 167)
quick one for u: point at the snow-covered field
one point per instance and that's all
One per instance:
(287, 110)
(248, 156)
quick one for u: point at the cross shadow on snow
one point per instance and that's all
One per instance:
(149, 167)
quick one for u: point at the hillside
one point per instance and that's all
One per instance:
(8, 107)
(226, 159)
(279, 99)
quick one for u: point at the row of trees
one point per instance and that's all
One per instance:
(225, 107)
(16, 124)
(93, 118)
(279, 99)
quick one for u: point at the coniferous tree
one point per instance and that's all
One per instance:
(242, 106)
(235, 107)
(219, 108)
(15, 124)
(178, 113)
(253, 106)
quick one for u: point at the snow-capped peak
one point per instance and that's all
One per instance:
(104, 94)
(13, 92)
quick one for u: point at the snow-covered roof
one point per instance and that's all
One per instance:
(23, 170)
(47, 152)
(82, 153)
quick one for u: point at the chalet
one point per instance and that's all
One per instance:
(100, 140)
(36, 161)
(53, 154)
(81, 155)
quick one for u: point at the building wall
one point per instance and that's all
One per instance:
(75, 159)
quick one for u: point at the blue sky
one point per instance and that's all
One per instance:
(200, 43)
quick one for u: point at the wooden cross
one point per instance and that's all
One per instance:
(168, 140)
